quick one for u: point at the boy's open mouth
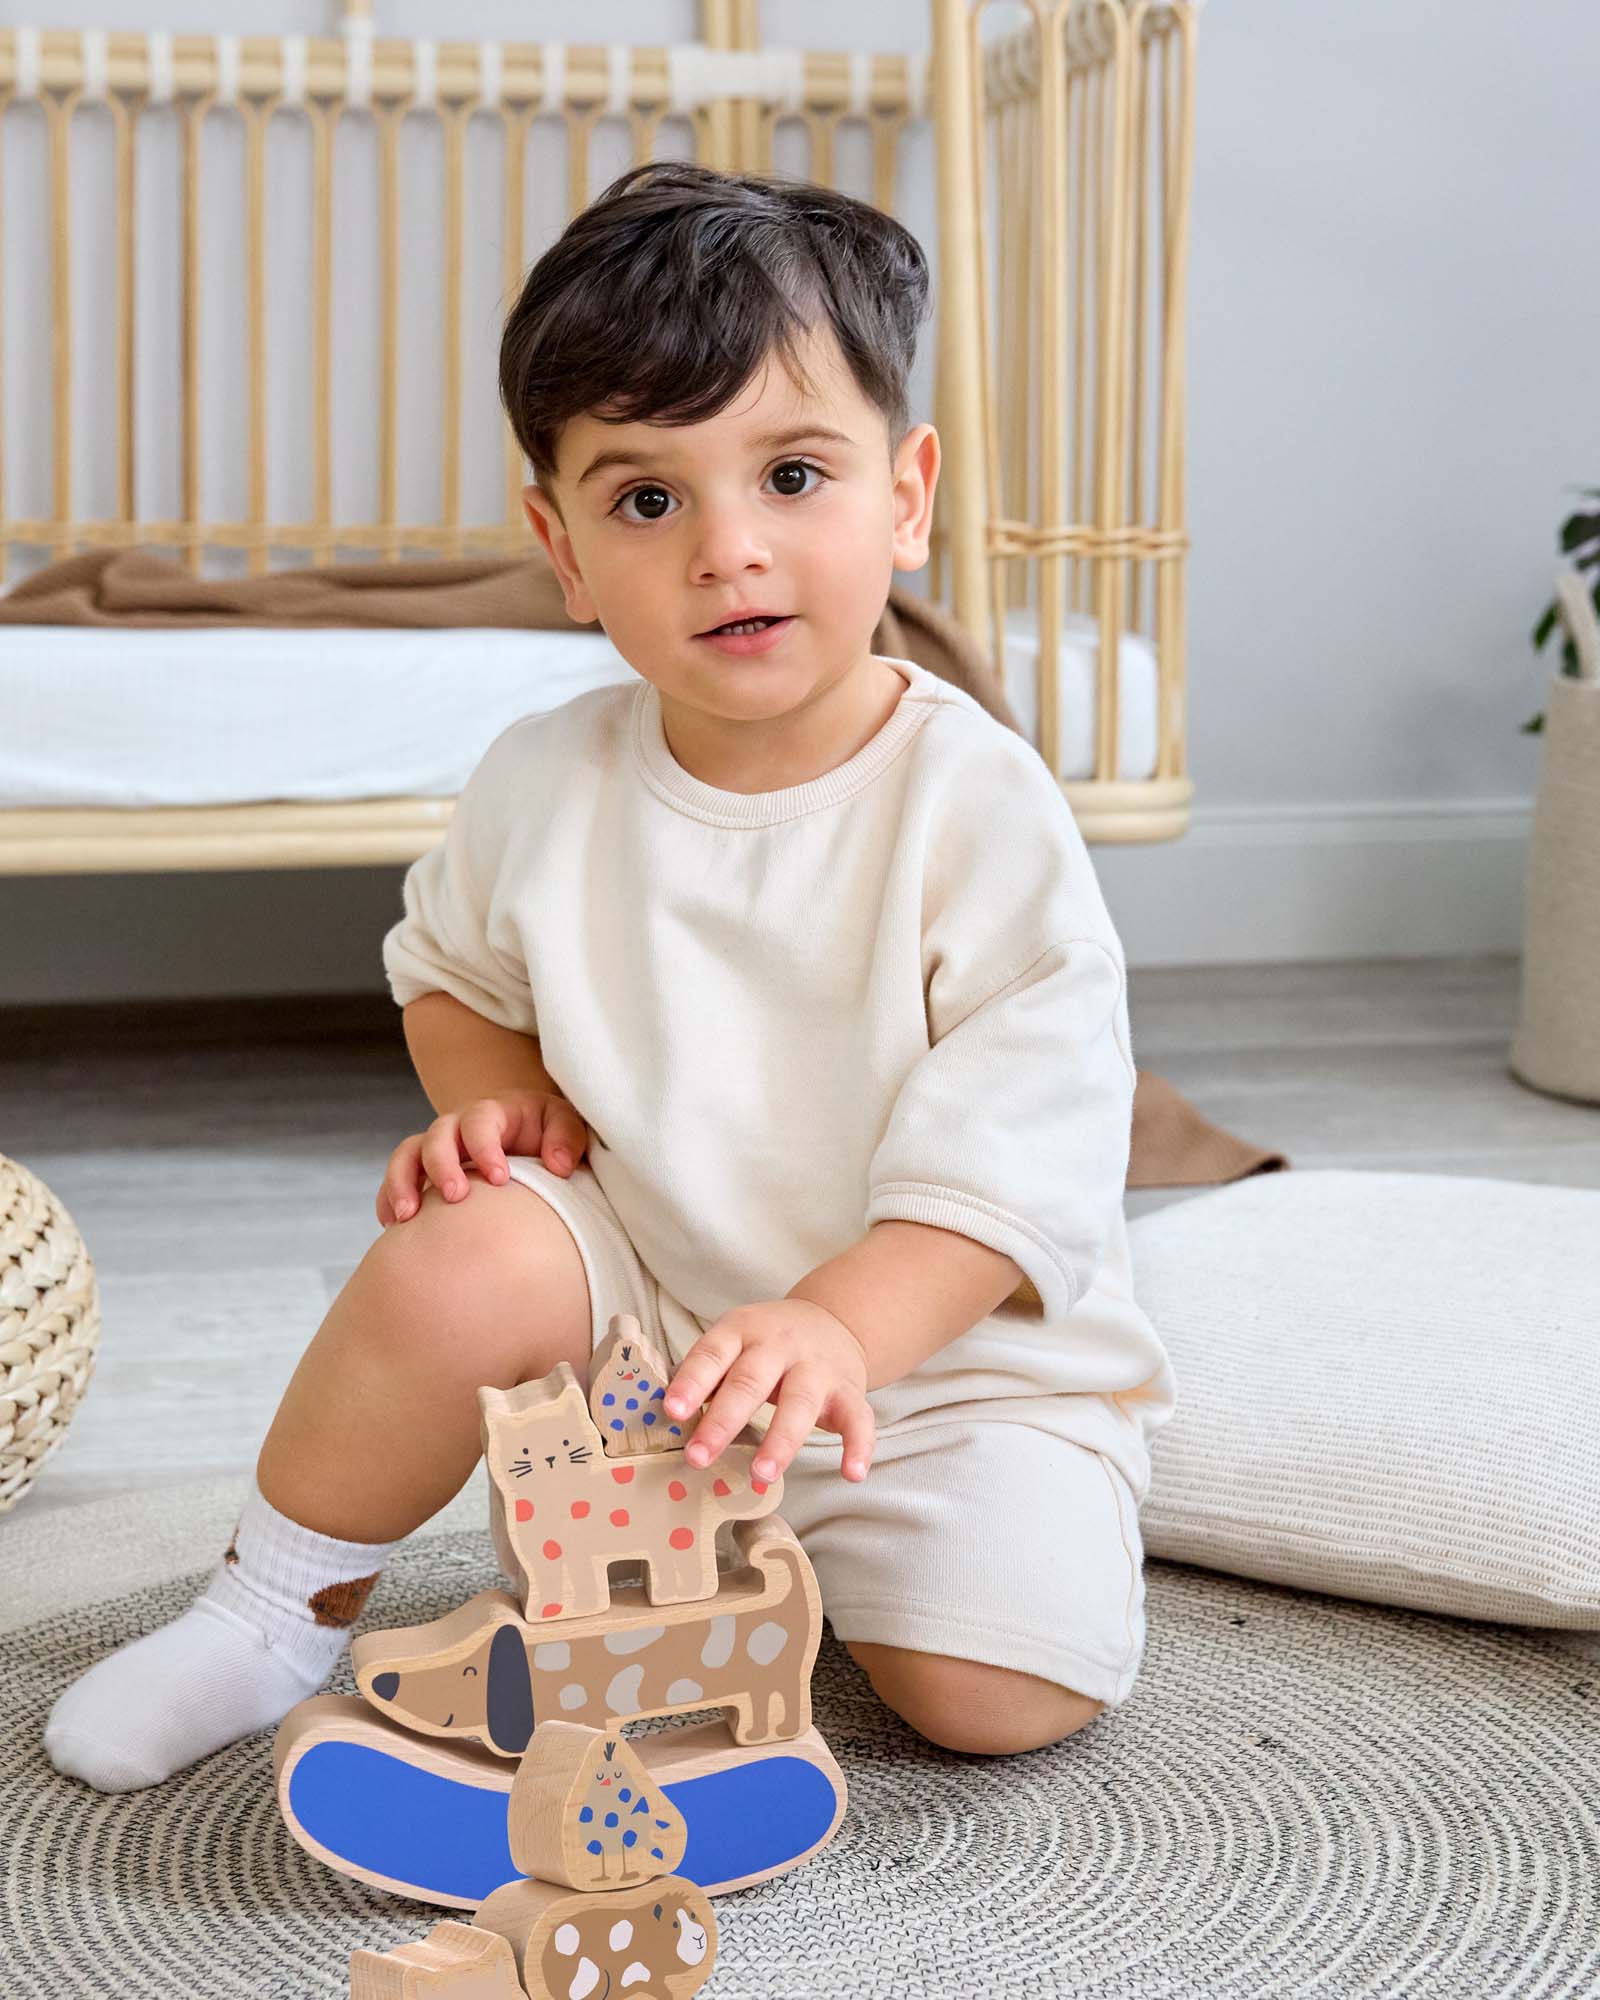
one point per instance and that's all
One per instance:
(742, 626)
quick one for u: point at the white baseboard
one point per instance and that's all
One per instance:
(1269, 883)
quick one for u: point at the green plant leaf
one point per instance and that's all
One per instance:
(1534, 726)
(1545, 626)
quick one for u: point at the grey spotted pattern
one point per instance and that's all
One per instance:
(1303, 1795)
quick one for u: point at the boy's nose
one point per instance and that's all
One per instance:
(729, 546)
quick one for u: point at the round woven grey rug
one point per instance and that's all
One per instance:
(1302, 1796)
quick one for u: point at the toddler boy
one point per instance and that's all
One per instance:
(771, 999)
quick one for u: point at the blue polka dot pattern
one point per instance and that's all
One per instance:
(608, 1400)
(611, 1819)
(586, 1815)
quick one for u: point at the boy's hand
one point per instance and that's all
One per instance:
(792, 1354)
(534, 1122)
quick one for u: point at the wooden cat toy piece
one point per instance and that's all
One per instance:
(430, 1820)
(483, 1673)
(453, 1962)
(627, 1394)
(585, 1814)
(659, 1940)
(562, 1511)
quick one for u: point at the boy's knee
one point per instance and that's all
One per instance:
(496, 1259)
(969, 1706)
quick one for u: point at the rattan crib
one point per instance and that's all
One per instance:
(1062, 146)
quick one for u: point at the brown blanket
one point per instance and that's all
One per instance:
(1173, 1146)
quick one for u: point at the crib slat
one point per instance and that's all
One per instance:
(454, 118)
(323, 117)
(389, 119)
(59, 107)
(123, 133)
(192, 114)
(5, 545)
(255, 114)
(514, 125)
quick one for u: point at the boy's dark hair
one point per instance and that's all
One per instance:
(662, 298)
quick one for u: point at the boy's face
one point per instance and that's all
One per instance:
(786, 503)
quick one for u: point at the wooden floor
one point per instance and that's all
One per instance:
(223, 1163)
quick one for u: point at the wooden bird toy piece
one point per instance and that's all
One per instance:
(562, 1511)
(453, 1962)
(627, 1394)
(482, 1673)
(655, 1942)
(584, 1812)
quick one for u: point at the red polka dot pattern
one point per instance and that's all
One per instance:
(524, 1510)
(681, 1538)
(619, 1518)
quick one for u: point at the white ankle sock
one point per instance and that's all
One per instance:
(264, 1635)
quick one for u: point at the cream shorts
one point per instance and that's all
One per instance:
(976, 1534)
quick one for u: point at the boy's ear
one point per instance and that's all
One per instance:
(916, 474)
(545, 521)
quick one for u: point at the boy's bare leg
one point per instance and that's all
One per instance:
(377, 1430)
(969, 1705)
(379, 1425)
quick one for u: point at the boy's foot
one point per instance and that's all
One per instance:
(265, 1634)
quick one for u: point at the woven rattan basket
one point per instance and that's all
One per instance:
(49, 1326)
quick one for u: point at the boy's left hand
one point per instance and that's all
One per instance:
(788, 1352)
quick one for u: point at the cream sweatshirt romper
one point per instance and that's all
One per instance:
(893, 991)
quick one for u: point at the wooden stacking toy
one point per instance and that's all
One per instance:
(453, 1962)
(585, 1812)
(483, 1673)
(484, 1766)
(660, 1938)
(563, 1511)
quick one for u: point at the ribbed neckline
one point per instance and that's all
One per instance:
(670, 782)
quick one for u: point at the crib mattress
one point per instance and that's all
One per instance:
(91, 717)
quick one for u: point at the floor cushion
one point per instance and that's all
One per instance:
(1388, 1389)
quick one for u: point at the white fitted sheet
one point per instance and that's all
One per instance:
(91, 716)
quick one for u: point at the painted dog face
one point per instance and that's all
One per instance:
(489, 1694)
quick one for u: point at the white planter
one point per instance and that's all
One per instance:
(1557, 1043)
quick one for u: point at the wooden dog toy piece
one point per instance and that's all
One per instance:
(628, 1391)
(562, 1511)
(427, 1819)
(453, 1962)
(584, 1813)
(482, 1673)
(656, 1940)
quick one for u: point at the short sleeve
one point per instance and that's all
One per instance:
(457, 935)
(1014, 1128)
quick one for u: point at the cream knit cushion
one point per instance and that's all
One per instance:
(1388, 1389)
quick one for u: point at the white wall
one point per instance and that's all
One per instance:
(1395, 312)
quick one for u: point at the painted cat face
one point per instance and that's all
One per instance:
(526, 1447)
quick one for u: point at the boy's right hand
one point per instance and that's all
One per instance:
(537, 1123)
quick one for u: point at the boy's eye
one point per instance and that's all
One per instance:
(652, 502)
(783, 475)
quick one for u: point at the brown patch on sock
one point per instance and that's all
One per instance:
(230, 1554)
(340, 1603)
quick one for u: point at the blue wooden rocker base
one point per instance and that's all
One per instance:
(427, 1819)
